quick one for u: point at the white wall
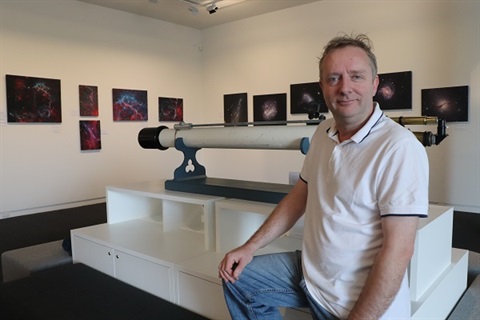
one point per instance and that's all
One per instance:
(438, 41)
(42, 166)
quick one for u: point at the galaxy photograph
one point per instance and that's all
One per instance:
(129, 105)
(449, 103)
(88, 101)
(307, 98)
(394, 91)
(170, 109)
(270, 107)
(31, 99)
(235, 108)
(90, 138)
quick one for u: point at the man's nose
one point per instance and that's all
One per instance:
(345, 86)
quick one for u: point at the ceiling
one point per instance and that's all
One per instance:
(195, 13)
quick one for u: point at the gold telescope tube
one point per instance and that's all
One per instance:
(415, 120)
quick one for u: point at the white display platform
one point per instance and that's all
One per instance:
(170, 244)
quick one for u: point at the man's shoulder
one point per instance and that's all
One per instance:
(389, 133)
(394, 129)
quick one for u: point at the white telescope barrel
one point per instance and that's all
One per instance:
(238, 137)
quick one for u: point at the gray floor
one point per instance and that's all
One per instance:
(468, 308)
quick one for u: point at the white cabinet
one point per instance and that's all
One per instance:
(170, 244)
(93, 254)
(200, 294)
(149, 274)
(153, 277)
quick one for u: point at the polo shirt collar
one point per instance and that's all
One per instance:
(365, 130)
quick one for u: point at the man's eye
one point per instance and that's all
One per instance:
(357, 77)
(333, 79)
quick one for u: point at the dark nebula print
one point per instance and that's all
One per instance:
(130, 105)
(170, 109)
(235, 108)
(32, 99)
(394, 91)
(450, 103)
(88, 101)
(270, 107)
(90, 138)
(307, 98)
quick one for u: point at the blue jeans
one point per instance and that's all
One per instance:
(268, 282)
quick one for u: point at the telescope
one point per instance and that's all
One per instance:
(188, 138)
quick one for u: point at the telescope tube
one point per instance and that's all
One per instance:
(242, 137)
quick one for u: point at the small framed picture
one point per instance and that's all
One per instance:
(90, 135)
(170, 109)
(88, 96)
(307, 98)
(270, 107)
(394, 91)
(235, 108)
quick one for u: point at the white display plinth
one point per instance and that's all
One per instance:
(432, 250)
(170, 244)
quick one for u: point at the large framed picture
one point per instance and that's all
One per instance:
(450, 103)
(31, 99)
(130, 105)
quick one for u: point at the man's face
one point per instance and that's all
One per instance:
(348, 85)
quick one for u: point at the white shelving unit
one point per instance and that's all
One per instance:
(170, 244)
(149, 231)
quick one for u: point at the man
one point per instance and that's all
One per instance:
(362, 187)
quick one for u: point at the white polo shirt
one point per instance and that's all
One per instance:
(382, 170)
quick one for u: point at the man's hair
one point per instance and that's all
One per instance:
(361, 41)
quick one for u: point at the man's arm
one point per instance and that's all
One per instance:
(388, 269)
(283, 217)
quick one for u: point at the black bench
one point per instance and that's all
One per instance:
(76, 291)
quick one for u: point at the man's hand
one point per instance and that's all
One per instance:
(283, 217)
(233, 263)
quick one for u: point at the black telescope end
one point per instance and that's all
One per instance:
(148, 138)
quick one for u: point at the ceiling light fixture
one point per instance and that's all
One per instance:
(212, 8)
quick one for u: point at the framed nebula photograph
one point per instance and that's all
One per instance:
(88, 96)
(394, 91)
(31, 99)
(270, 107)
(130, 105)
(307, 98)
(235, 108)
(90, 135)
(449, 103)
(170, 109)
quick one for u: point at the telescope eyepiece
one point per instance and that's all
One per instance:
(148, 138)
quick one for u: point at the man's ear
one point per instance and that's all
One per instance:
(376, 82)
